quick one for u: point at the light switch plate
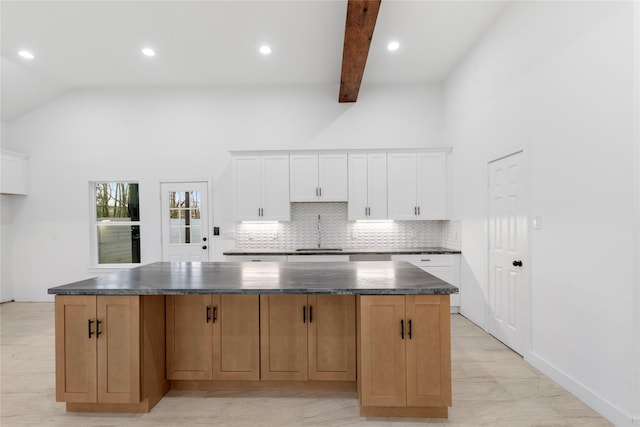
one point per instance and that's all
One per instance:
(537, 222)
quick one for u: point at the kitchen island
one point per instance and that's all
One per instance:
(123, 340)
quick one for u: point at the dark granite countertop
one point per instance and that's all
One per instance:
(345, 251)
(364, 278)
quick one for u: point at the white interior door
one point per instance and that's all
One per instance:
(185, 221)
(507, 250)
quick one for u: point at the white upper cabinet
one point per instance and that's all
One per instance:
(262, 188)
(318, 177)
(417, 186)
(432, 186)
(303, 186)
(367, 186)
(402, 186)
(14, 173)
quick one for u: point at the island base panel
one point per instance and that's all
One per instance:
(133, 408)
(385, 411)
(265, 385)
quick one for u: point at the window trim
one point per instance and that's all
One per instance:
(93, 228)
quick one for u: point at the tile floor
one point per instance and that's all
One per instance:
(492, 386)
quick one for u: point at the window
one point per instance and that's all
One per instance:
(184, 214)
(116, 223)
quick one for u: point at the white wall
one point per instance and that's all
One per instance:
(636, 297)
(179, 133)
(6, 203)
(556, 79)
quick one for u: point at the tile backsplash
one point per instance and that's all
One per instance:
(337, 232)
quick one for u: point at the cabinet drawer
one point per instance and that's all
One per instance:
(257, 258)
(317, 258)
(427, 260)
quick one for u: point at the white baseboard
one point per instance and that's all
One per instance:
(590, 398)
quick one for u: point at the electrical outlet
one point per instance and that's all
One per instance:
(354, 235)
(274, 235)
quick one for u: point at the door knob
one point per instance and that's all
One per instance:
(204, 247)
(517, 263)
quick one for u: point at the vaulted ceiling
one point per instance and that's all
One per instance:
(85, 44)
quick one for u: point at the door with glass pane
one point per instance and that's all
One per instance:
(185, 226)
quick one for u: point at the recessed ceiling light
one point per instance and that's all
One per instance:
(265, 50)
(26, 54)
(393, 46)
(148, 51)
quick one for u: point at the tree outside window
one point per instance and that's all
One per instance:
(117, 220)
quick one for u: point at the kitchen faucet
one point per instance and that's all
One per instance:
(319, 232)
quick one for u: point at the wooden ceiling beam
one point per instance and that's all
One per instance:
(361, 21)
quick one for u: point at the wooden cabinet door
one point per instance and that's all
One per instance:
(332, 337)
(428, 350)
(401, 186)
(76, 349)
(236, 337)
(283, 337)
(97, 349)
(118, 343)
(431, 189)
(382, 351)
(189, 337)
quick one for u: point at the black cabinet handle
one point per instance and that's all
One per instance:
(409, 331)
(418, 210)
(402, 329)
(204, 239)
(304, 314)
(310, 314)
(320, 191)
(517, 263)
(204, 247)
(215, 313)
(89, 323)
(415, 210)
(208, 314)
(98, 332)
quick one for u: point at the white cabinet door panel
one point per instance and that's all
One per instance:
(358, 177)
(304, 178)
(432, 186)
(377, 186)
(275, 188)
(332, 177)
(401, 178)
(246, 172)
